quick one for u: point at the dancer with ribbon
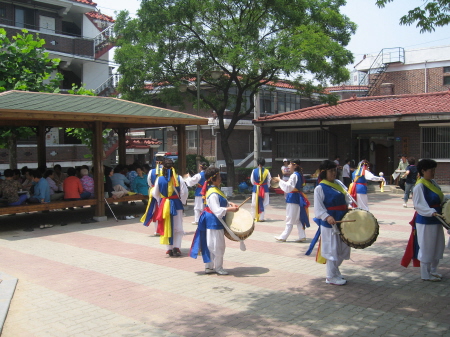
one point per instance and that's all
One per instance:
(297, 203)
(427, 242)
(152, 205)
(170, 192)
(358, 188)
(331, 201)
(197, 180)
(209, 237)
(260, 178)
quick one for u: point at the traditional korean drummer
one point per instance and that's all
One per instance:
(330, 205)
(209, 237)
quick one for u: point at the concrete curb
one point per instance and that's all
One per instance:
(7, 288)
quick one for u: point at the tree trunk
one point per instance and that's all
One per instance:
(12, 148)
(228, 160)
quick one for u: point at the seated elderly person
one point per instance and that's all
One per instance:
(87, 182)
(10, 189)
(55, 193)
(73, 190)
(41, 192)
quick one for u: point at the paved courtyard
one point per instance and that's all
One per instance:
(114, 279)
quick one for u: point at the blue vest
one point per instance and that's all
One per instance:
(257, 179)
(294, 197)
(333, 198)
(153, 176)
(360, 189)
(163, 189)
(432, 199)
(198, 190)
(208, 220)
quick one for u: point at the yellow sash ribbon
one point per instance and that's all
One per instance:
(428, 184)
(215, 190)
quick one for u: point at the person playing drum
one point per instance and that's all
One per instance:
(209, 237)
(296, 203)
(170, 192)
(260, 178)
(330, 205)
(198, 180)
(427, 198)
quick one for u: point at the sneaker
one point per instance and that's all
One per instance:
(194, 223)
(176, 252)
(209, 271)
(300, 240)
(432, 279)
(170, 252)
(278, 239)
(221, 272)
(155, 234)
(404, 205)
(336, 281)
(436, 275)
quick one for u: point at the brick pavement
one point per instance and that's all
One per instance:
(113, 279)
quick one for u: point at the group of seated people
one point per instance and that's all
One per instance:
(123, 180)
(44, 185)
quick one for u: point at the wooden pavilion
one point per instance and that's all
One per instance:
(45, 110)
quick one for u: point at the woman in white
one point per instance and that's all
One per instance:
(330, 205)
(296, 203)
(427, 198)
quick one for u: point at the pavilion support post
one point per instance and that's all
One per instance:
(41, 150)
(97, 161)
(122, 149)
(181, 133)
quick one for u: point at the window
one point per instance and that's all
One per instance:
(2, 12)
(446, 69)
(192, 139)
(435, 142)
(446, 80)
(175, 140)
(25, 18)
(307, 144)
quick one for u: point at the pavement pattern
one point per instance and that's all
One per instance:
(114, 279)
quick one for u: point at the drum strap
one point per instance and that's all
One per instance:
(234, 236)
(338, 208)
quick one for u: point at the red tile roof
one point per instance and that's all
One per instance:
(99, 16)
(373, 106)
(87, 2)
(140, 143)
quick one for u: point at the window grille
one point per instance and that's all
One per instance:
(192, 139)
(435, 142)
(302, 144)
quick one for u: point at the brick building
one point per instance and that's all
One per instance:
(376, 128)
(395, 71)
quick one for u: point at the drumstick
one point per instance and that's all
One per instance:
(245, 201)
(345, 221)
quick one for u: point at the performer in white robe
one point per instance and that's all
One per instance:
(360, 177)
(170, 188)
(427, 198)
(209, 237)
(197, 180)
(296, 203)
(330, 205)
(260, 178)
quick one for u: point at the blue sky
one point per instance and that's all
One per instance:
(377, 28)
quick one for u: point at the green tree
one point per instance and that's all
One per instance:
(24, 66)
(86, 136)
(429, 15)
(251, 41)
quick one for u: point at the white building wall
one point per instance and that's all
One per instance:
(89, 29)
(95, 72)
